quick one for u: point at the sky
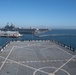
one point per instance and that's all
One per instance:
(58, 14)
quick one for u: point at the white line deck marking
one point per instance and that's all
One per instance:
(64, 64)
(24, 65)
(25, 46)
(46, 47)
(6, 58)
(44, 61)
(5, 50)
(63, 50)
(51, 74)
(50, 69)
(17, 71)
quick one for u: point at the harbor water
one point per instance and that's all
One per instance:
(65, 36)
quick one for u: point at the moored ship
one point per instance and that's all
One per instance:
(9, 34)
(22, 30)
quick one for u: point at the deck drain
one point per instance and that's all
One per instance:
(7, 72)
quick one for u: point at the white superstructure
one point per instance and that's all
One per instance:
(10, 34)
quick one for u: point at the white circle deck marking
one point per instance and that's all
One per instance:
(64, 64)
(41, 70)
(51, 74)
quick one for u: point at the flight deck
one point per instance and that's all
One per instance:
(37, 57)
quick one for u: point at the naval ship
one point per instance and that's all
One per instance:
(22, 30)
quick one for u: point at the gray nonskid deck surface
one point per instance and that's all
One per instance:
(36, 58)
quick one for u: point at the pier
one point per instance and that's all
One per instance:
(37, 57)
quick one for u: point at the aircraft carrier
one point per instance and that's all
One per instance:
(37, 57)
(22, 30)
